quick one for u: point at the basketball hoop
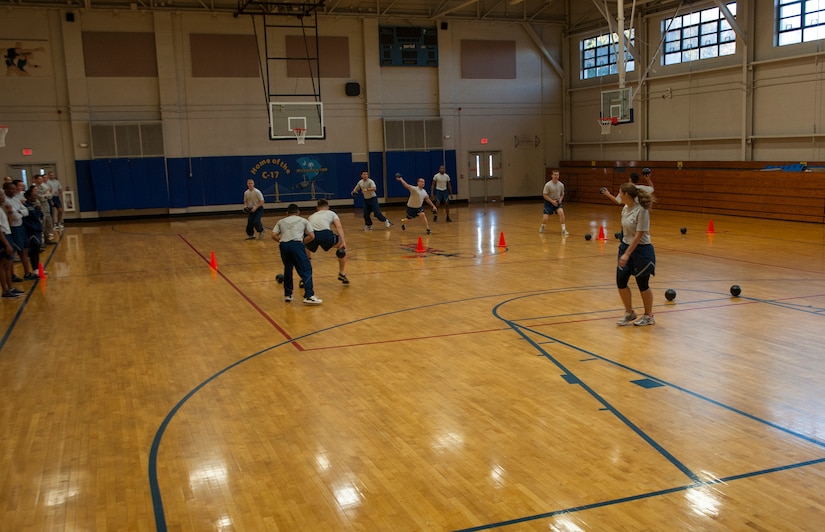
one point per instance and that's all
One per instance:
(606, 123)
(3, 131)
(300, 134)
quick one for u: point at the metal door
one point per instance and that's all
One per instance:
(485, 176)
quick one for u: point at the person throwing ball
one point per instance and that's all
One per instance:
(553, 196)
(292, 234)
(441, 190)
(415, 205)
(322, 221)
(636, 255)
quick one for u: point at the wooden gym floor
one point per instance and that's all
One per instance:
(468, 387)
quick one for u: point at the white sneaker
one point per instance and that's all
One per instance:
(541, 228)
(564, 232)
(367, 228)
(260, 235)
(645, 320)
(250, 237)
(288, 299)
(313, 300)
(627, 319)
(388, 223)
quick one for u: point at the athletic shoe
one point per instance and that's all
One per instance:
(313, 300)
(645, 320)
(435, 217)
(449, 220)
(16, 279)
(564, 232)
(541, 228)
(388, 223)
(260, 235)
(301, 284)
(31, 276)
(343, 278)
(248, 237)
(17, 291)
(367, 228)
(428, 231)
(288, 299)
(10, 295)
(627, 319)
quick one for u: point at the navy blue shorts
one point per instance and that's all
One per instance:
(17, 238)
(549, 208)
(412, 212)
(324, 239)
(57, 202)
(442, 196)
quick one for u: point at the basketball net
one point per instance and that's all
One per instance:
(300, 134)
(606, 123)
(3, 131)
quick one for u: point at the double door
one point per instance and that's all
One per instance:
(485, 176)
(27, 172)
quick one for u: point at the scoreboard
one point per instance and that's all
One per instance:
(408, 46)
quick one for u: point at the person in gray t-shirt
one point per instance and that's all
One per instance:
(292, 233)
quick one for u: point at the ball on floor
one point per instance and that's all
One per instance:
(683, 230)
(735, 290)
(280, 278)
(670, 294)
(588, 236)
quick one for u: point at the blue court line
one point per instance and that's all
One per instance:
(684, 390)
(28, 296)
(157, 501)
(154, 487)
(571, 378)
(641, 496)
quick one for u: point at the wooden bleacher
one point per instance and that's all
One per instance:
(708, 187)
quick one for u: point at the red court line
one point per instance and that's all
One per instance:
(254, 305)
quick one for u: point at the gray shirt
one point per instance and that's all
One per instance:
(292, 228)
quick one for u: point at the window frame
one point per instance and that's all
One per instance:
(598, 55)
(802, 27)
(699, 35)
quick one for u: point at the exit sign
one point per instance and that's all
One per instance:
(27, 152)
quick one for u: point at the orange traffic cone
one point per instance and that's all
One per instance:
(710, 228)
(501, 242)
(420, 247)
(41, 273)
(212, 262)
(601, 233)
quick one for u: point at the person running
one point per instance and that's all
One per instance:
(367, 187)
(636, 254)
(441, 189)
(415, 205)
(253, 206)
(293, 233)
(553, 196)
(322, 222)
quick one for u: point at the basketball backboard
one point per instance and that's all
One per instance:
(284, 117)
(617, 104)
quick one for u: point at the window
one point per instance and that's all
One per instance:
(698, 35)
(800, 21)
(598, 55)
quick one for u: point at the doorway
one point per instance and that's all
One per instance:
(485, 176)
(27, 172)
